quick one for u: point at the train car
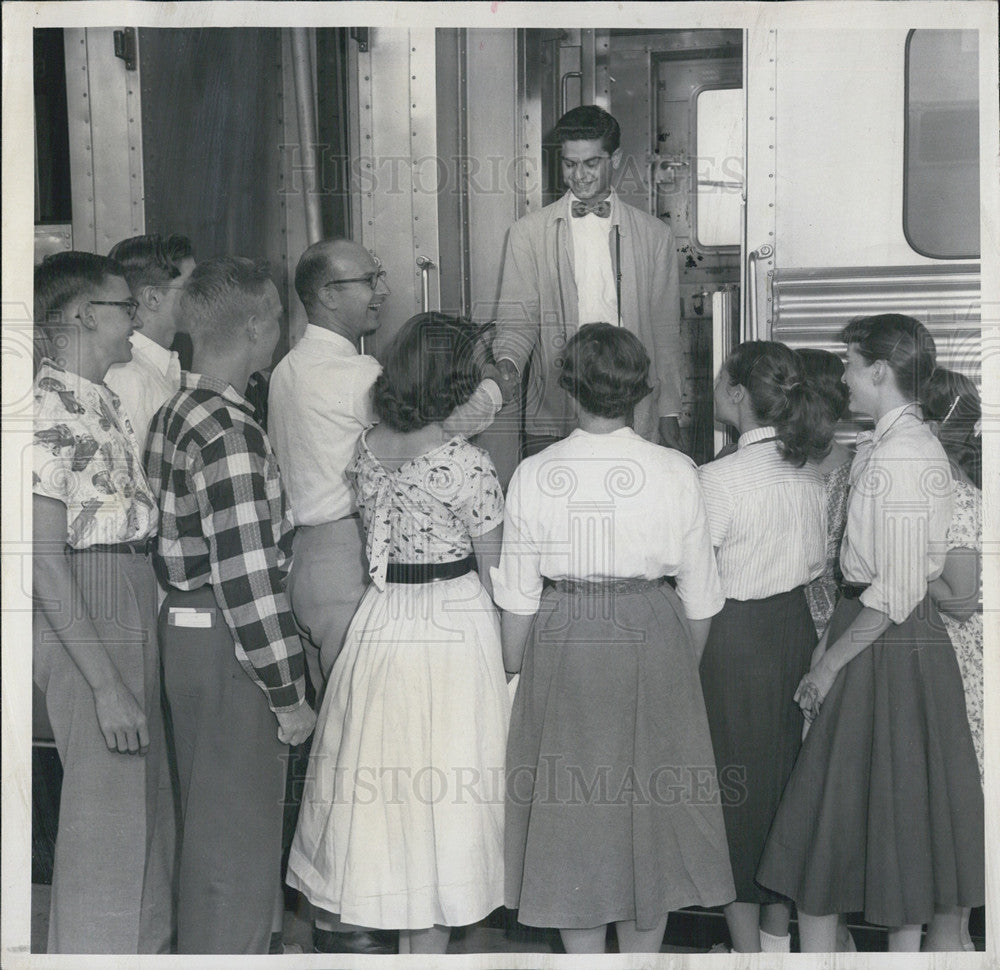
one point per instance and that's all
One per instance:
(813, 167)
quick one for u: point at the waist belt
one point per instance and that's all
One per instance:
(428, 572)
(579, 586)
(143, 547)
(851, 591)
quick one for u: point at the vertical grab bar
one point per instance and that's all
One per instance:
(426, 264)
(765, 251)
(305, 100)
(562, 92)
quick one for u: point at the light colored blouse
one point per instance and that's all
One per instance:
(606, 506)
(898, 513)
(429, 509)
(86, 456)
(768, 518)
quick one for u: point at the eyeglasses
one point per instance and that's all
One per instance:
(131, 306)
(372, 279)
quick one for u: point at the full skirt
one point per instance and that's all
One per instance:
(401, 824)
(612, 799)
(883, 813)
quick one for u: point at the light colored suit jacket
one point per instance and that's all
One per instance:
(537, 310)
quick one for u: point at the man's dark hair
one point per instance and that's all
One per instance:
(588, 123)
(60, 279)
(150, 260)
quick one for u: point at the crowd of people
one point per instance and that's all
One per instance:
(621, 686)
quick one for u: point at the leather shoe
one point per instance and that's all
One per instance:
(359, 941)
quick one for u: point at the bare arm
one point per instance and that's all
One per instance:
(699, 636)
(863, 631)
(487, 550)
(956, 590)
(57, 596)
(514, 630)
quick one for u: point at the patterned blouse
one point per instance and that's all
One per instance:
(430, 508)
(822, 592)
(86, 456)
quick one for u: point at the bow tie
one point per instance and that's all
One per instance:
(600, 209)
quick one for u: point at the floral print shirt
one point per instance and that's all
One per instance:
(86, 456)
(430, 508)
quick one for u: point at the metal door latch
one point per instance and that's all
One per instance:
(125, 47)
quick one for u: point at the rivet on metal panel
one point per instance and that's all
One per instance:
(366, 77)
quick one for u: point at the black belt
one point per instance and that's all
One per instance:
(428, 572)
(852, 591)
(636, 585)
(144, 547)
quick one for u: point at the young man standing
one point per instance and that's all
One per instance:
(232, 661)
(95, 651)
(156, 271)
(588, 258)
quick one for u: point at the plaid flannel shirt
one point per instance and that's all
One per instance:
(224, 522)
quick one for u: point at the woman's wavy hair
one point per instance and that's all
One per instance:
(782, 396)
(430, 368)
(606, 370)
(826, 372)
(952, 401)
(903, 342)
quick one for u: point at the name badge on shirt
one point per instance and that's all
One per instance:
(203, 617)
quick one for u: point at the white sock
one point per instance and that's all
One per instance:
(775, 944)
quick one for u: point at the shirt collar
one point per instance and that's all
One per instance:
(754, 435)
(73, 381)
(159, 356)
(191, 381)
(328, 336)
(888, 420)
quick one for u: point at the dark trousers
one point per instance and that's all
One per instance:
(231, 770)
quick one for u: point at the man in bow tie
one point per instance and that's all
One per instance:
(588, 258)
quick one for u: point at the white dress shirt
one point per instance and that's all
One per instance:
(768, 518)
(145, 383)
(606, 506)
(592, 266)
(319, 402)
(898, 512)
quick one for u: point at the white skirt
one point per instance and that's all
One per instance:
(401, 824)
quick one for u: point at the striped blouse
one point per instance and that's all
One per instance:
(767, 518)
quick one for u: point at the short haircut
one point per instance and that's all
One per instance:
(903, 342)
(313, 270)
(606, 369)
(221, 294)
(429, 369)
(826, 371)
(589, 123)
(782, 396)
(952, 400)
(149, 260)
(60, 279)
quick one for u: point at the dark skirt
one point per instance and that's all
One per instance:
(612, 806)
(756, 654)
(884, 811)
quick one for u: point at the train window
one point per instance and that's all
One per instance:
(941, 159)
(52, 187)
(718, 167)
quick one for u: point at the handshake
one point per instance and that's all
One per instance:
(507, 377)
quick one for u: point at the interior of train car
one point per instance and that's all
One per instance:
(808, 178)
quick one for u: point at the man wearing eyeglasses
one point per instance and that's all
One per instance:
(588, 258)
(156, 271)
(320, 401)
(94, 644)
